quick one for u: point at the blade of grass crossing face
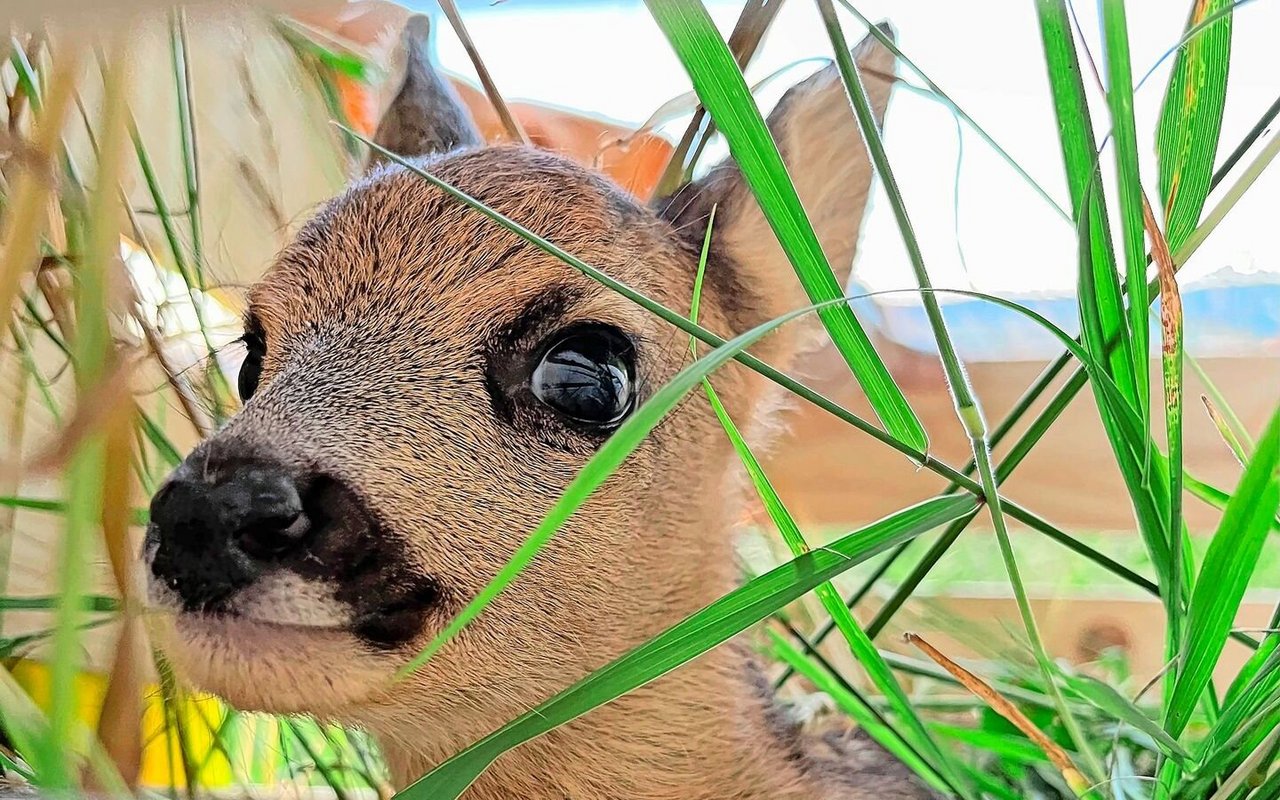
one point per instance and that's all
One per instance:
(966, 403)
(714, 624)
(960, 480)
(598, 469)
(1129, 183)
(1228, 565)
(1191, 119)
(724, 93)
(665, 313)
(860, 646)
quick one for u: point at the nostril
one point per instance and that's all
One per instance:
(264, 512)
(273, 537)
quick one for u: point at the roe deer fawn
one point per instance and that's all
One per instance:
(420, 385)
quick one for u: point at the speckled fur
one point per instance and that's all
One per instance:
(386, 322)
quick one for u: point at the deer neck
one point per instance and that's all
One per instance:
(708, 730)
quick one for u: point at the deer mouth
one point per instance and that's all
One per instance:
(386, 618)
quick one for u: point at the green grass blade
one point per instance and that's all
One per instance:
(220, 389)
(968, 409)
(1213, 496)
(1129, 183)
(702, 334)
(1243, 744)
(94, 359)
(1138, 460)
(1255, 687)
(179, 50)
(917, 736)
(724, 93)
(1263, 662)
(1102, 308)
(716, 623)
(860, 645)
(1063, 397)
(1224, 576)
(855, 706)
(140, 515)
(1191, 119)
(598, 469)
(1171, 362)
(1225, 431)
(1016, 453)
(1017, 748)
(1117, 705)
(1233, 434)
(1256, 765)
(98, 604)
(160, 441)
(1248, 176)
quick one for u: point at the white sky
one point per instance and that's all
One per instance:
(610, 58)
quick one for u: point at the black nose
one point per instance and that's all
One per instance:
(210, 537)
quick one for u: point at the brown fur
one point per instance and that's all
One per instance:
(388, 323)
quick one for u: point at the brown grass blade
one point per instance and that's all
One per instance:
(1224, 430)
(1009, 711)
(514, 130)
(88, 418)
(1170, 297)
(26, 216)
(102, 293)
(119, 727)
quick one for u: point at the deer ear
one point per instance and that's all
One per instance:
(426, 115)
(818, 137)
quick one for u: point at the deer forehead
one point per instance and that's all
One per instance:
(393, 248)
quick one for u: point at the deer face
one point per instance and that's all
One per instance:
(420, 386)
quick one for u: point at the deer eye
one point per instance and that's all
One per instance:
(251, 367)
(587, 375)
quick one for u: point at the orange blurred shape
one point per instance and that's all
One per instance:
(634, 160)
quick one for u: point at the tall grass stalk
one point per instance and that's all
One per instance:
(93, 363)
(967, 406)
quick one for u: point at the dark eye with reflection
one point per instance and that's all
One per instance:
(251, 368)
(587, 375)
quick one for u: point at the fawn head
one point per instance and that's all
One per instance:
(421, 384)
